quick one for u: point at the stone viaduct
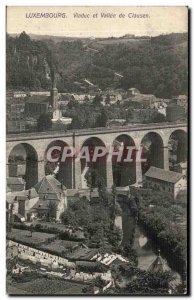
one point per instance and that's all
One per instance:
(37, 143)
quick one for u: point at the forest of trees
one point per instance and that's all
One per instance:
(158, 66)
(162, 223)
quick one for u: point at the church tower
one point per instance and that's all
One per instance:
(54, 98)
(54, 93)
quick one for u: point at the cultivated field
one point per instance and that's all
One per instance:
(59, 246)
(25, 237)
(46, 286)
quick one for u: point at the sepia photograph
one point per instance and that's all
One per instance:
(97, 106)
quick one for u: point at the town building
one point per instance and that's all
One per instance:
(141, 115)
(51, 192)
(15, 126)
(48, 194)
(160, 106)
(116, 122)
(64, 99)
(11, 251)
(145, 100)
(181, 100)
(37, 105)
(16, 183)
(15, 116)
(19, 203)
(19, 94)
(38, 93)
(17, 110)
(133, 92)
(66, 120)
(165, 181)
(111, 97)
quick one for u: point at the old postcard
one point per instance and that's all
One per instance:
(97, 150)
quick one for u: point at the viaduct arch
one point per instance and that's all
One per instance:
(63, 169)
(156, 137)
(23, 161)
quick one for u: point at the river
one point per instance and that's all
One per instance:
(145, 249)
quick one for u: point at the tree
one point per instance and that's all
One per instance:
(99, 282)
(52, 210)
(101, 190)
(156, 67)
(113, 205)
(24, 40)
(97, 100)
(44, 122)
(68, 217)
(131, 255)
(107, 99)
(89, 180)
(159, 118)
(72, 104)
(10, 217)
(114, 236)
(150, 283)
(31, 229)
(102, 119)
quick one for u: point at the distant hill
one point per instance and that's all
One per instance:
(103, 41)
(156, 65)
(56, 39)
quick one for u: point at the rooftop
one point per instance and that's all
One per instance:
(163, 175)
(21, 195)
(157, 265)
(144, 97)
(134, 89)
(49, 186)
(83, 254)
(90, 266)
(38, 99)
(182, 97)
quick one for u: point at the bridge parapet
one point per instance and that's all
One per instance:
(40, 142)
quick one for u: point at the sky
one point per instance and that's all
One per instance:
(159, 20)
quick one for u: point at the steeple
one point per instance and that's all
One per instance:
(53, 93)
(157, 265)
(54, 97)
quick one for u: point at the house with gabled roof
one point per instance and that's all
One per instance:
(21, 202)
(165, 181)
(51, 192)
